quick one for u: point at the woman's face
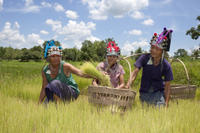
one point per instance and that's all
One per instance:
(54, 59)
(112, 59)
(156, 51)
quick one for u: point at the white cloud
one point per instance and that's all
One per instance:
(135, 32)
(128, 47)
(16, 25)
(71, 14)
(56, 25)
(30, 7)
(46, 4)
(44, 32)
(1, 5)
(148, 22)
(137, 15)
(197, 47)
(74, 32)
(34, 39)
(101, 9)
(118, 16)
(93, 38)
(190, 50)
(28, 2)
(11, 36)
(58, 7)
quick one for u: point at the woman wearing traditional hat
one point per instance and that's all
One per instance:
(58, 83)
(111, 67)
(157, 72)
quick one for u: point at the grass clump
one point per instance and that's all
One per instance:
(90, 69)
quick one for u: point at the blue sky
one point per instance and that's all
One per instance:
(25, 23)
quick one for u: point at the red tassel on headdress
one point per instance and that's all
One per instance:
(111, 45)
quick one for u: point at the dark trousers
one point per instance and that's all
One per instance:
(62, 90)
(153, 98)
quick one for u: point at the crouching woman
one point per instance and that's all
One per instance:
(58, 83)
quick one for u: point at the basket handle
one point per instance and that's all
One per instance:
(129, 65)
(185, 68)
(125, 58)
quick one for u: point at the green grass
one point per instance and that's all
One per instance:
(79, 116)
(90, 69)
(20, 85)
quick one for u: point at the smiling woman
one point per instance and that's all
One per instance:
(111, 67)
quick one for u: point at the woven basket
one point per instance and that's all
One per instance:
(102, 95)
(182, 91)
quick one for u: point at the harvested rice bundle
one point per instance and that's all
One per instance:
(90, 69)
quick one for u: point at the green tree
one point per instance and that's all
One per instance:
(2, 53)
(93, 51)
(9, 53)
(36, 53)
(18, 53)
(89, 49)
(132, 57)
(37, 48)
(137, 51)
(100, 50)
(72, 54)
(181, 53)
(85, 56)
(25, 55)
(195, 53)
(194, 32)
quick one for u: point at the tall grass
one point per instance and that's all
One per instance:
(20, 85)
(79, 116)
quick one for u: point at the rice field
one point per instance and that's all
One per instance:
(20, 85)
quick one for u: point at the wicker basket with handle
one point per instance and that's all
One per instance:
(102, 95)
(105, 96)
(179, 91)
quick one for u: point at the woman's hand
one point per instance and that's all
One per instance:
(95, 82)
(104, 72)
(70, 68)
(42, 92)
(132, 77)
(127, 86)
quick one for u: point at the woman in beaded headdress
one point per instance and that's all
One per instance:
(157, 72)
(111, 67)
(58, 83)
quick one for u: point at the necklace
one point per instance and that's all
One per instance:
(53, 71)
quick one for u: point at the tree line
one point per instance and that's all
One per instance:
(95, 51)
(90, 51)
